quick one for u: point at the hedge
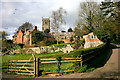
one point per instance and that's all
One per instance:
(88, 52)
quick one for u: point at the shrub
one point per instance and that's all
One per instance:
(83, 69)
(79, 52)
(55, 42)
(18, 46)
(61, 73)
(35, 45)
(58, 59)
(60, 42)
(66, 72)
(36, 37)
(103, 35)
(90, 69)
(48, 42)
(71, 72)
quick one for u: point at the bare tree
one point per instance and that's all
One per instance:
(58, 21)
(87, 15)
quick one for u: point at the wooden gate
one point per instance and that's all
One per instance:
(24, 67)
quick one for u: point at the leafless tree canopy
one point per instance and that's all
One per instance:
(58, 19)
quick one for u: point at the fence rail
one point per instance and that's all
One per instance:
(53, 60)
(24, 67)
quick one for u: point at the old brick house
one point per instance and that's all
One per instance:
(25, 37)
(91, 40)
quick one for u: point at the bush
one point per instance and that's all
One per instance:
(48, 42)
(81, 42)
(60, 42)
(58, 59)
(55, 42)
(79, 52)
(90, 69)
(83, 69)
(35, 45)
(18, 46)
(103, 35)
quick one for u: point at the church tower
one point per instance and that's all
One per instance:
(45, 24)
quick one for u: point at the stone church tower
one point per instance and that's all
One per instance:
(45, 24)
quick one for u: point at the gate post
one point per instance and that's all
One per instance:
(37, 67)
(34, 67)
(8, 65)
(81, 62)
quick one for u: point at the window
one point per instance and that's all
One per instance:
(65, 37)
(47, 50)
(43, 28)
(45, 22)
(72, 35)
(88, 36)
(19, 37)
(28, 42)
(27, 36)
(92, 36)
(15, 39)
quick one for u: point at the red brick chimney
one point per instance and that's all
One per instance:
(35, 27)
(25, 30)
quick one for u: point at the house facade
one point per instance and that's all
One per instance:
(65, 36)
(25, 37)
(91, 40)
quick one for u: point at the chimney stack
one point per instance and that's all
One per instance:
(25, 30)
(35, 27)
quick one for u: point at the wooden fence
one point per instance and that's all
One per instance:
(31, 66)
(63, 60)
(24, 67)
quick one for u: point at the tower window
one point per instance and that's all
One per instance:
(45, 22)
(20, 38)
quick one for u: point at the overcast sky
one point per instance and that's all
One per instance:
(16, 12)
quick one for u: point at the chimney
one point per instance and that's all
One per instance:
(25, 30)
(35, 27)
(51, 33)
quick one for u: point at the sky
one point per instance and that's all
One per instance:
(14, 13)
